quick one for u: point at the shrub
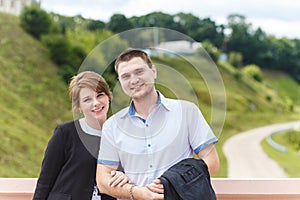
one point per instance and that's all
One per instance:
(254, 72)
(235, 59)
(58, 46)
(294, 139)
(35, 21)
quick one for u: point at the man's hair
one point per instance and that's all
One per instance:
(130, 53)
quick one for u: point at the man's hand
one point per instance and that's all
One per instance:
(156, 186)
(142, 193)
(118, 179)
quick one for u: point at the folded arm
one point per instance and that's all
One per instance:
(108, 183)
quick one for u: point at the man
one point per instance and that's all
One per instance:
(150, 135)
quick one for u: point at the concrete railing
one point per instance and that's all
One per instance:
(257, 189)
(225, 188)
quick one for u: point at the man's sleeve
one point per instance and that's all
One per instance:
(200, 134)
(108, 151)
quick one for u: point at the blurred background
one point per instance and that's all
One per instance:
(255, 48)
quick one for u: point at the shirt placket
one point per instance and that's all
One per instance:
(149, 146)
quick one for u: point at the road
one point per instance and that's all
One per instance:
(246, 158)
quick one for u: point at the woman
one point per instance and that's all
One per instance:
(69, 166)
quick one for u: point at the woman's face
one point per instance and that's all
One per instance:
(94, 106)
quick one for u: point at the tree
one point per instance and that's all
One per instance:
(262, 49)
(189, 22)
(95, 25)
(200, 29)
(208, 30)
(35, 20)
(239, 38)
(66, 54)
(119, 23)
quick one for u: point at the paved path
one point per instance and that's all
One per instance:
(246, 158)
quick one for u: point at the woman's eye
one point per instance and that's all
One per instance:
(100, 94)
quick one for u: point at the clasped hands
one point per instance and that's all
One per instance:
(154, 190)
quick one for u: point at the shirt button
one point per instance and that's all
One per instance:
(149, 145)
(147, 125)
(150, 166)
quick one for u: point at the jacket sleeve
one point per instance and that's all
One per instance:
(52, 164)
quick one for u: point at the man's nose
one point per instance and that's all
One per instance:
(134, 78)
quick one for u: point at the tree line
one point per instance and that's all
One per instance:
(70, 39)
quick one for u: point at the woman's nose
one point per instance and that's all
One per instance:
(96, 101)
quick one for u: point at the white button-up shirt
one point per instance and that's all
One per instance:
(148, 147)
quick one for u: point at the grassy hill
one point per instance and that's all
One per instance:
(34, 99)
(272, 98)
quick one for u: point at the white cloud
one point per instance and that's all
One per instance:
(279, 28)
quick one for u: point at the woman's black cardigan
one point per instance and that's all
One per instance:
(69, 166)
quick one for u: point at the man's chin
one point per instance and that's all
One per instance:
(136, 95)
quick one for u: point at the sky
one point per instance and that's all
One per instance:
(275, 17)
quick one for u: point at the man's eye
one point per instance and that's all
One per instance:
(139, 72)
(126, 77)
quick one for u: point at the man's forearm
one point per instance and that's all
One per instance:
(121, 192)
(127, 191)
(211, 158)
(130, 191)
(105, 179)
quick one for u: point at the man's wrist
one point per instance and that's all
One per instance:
(131, 191)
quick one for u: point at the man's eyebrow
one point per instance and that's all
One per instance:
(125, 74)
(138, 69)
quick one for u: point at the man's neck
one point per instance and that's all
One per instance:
(145, 105)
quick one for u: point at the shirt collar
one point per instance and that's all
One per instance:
(161, 101)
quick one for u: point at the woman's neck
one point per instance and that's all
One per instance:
(95, 124)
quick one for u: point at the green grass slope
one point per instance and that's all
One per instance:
(33, 100)
(252, 104)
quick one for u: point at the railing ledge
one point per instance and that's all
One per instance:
(225, 188)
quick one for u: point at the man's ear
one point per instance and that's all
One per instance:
(154, 71)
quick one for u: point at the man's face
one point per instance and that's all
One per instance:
(136, 77)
